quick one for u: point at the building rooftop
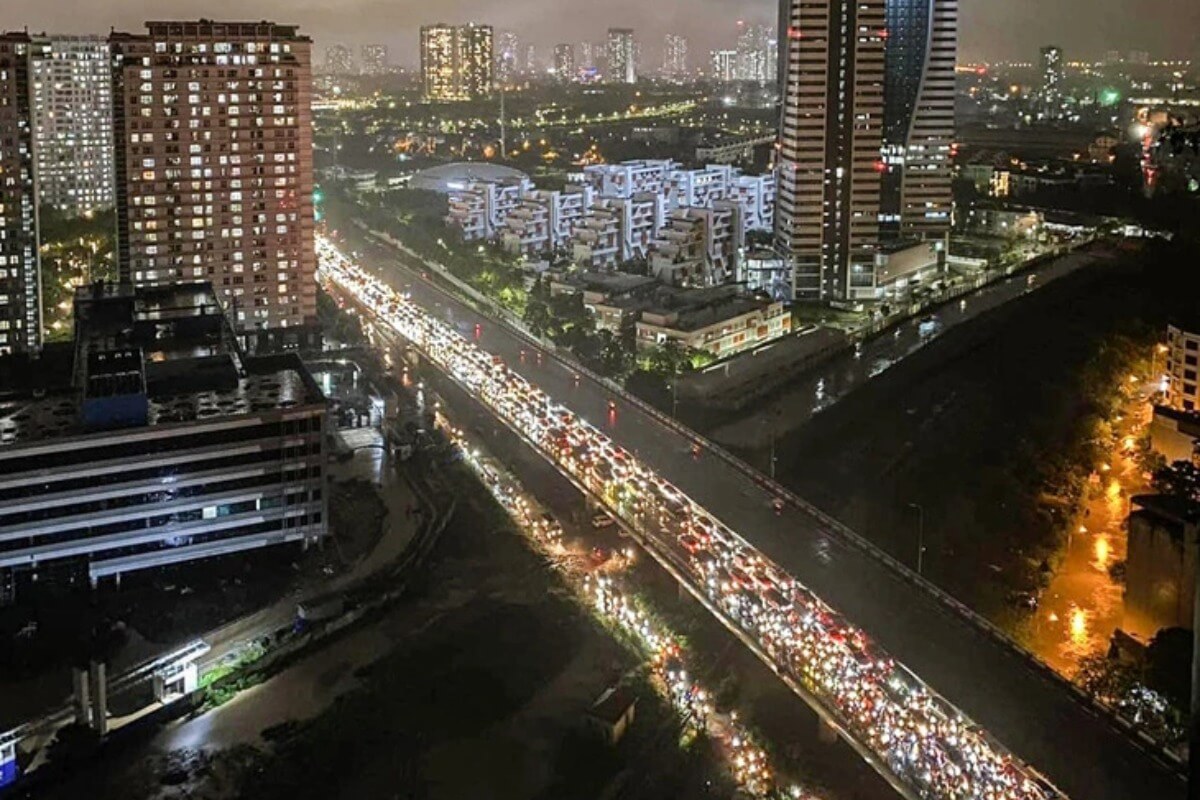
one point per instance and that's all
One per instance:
(447, 177)
(144, 357)
(611, 282)
(1171, 511)
(695, 309)
(612, 705)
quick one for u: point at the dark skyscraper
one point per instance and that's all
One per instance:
(918, 117)
(20, 284)
(866, 131)
(827, 217)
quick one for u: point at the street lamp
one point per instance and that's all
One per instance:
(920, 535)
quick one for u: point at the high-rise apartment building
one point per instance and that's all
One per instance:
(564, 62)
(829, 145)
(724, 65)
(622, 56)
(922, 48)
(214, 168)
(1052, 80)
(507, 44)
(456, 62)
(866, 132)
(586, 56)
(339, 60)
(675, 49)
(20, 281)
(752, 52)
(375, 59)
(71, 103)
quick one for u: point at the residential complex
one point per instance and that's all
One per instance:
(72, 105)
(723, 65)
(545, 220)
(480, 208)
(689, 225)
(753, 54)
(865, 139)
(456, 62)
(20, 281)
(506, 46)
(153, 439)
(622, 56)
(214, 168)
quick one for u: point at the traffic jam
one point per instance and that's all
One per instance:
(601, 583)
(927, 744)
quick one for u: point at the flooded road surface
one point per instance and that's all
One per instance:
(1083, 605)
(814, 391)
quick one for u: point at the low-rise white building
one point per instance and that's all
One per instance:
(756, 196)
(637, 197)
(719, 321)
(597, 242)
(699, 246)
(480, 208)
(629, 177)
(546, 220)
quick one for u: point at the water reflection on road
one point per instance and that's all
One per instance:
(826, 385)
(1083, 605)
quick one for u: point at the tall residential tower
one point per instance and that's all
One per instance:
(918, 135)
(675, 56)
(457, 62)
(622, 56)
(71, 102)
(20, 282)
(1052, 81)
(866, 131)
(214, 168)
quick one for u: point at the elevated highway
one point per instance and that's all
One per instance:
(1041, 718)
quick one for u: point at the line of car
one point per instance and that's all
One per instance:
(922, 739)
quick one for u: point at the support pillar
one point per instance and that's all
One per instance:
(1192, 537)
(81, 698)
(99, 697)
(826, 733)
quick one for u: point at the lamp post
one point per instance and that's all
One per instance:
(920, 536)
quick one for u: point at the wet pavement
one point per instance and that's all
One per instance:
(1083, 605)
(801, 399)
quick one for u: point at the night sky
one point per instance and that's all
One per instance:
(990, 29)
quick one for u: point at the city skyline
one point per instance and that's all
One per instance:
(990, 31)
